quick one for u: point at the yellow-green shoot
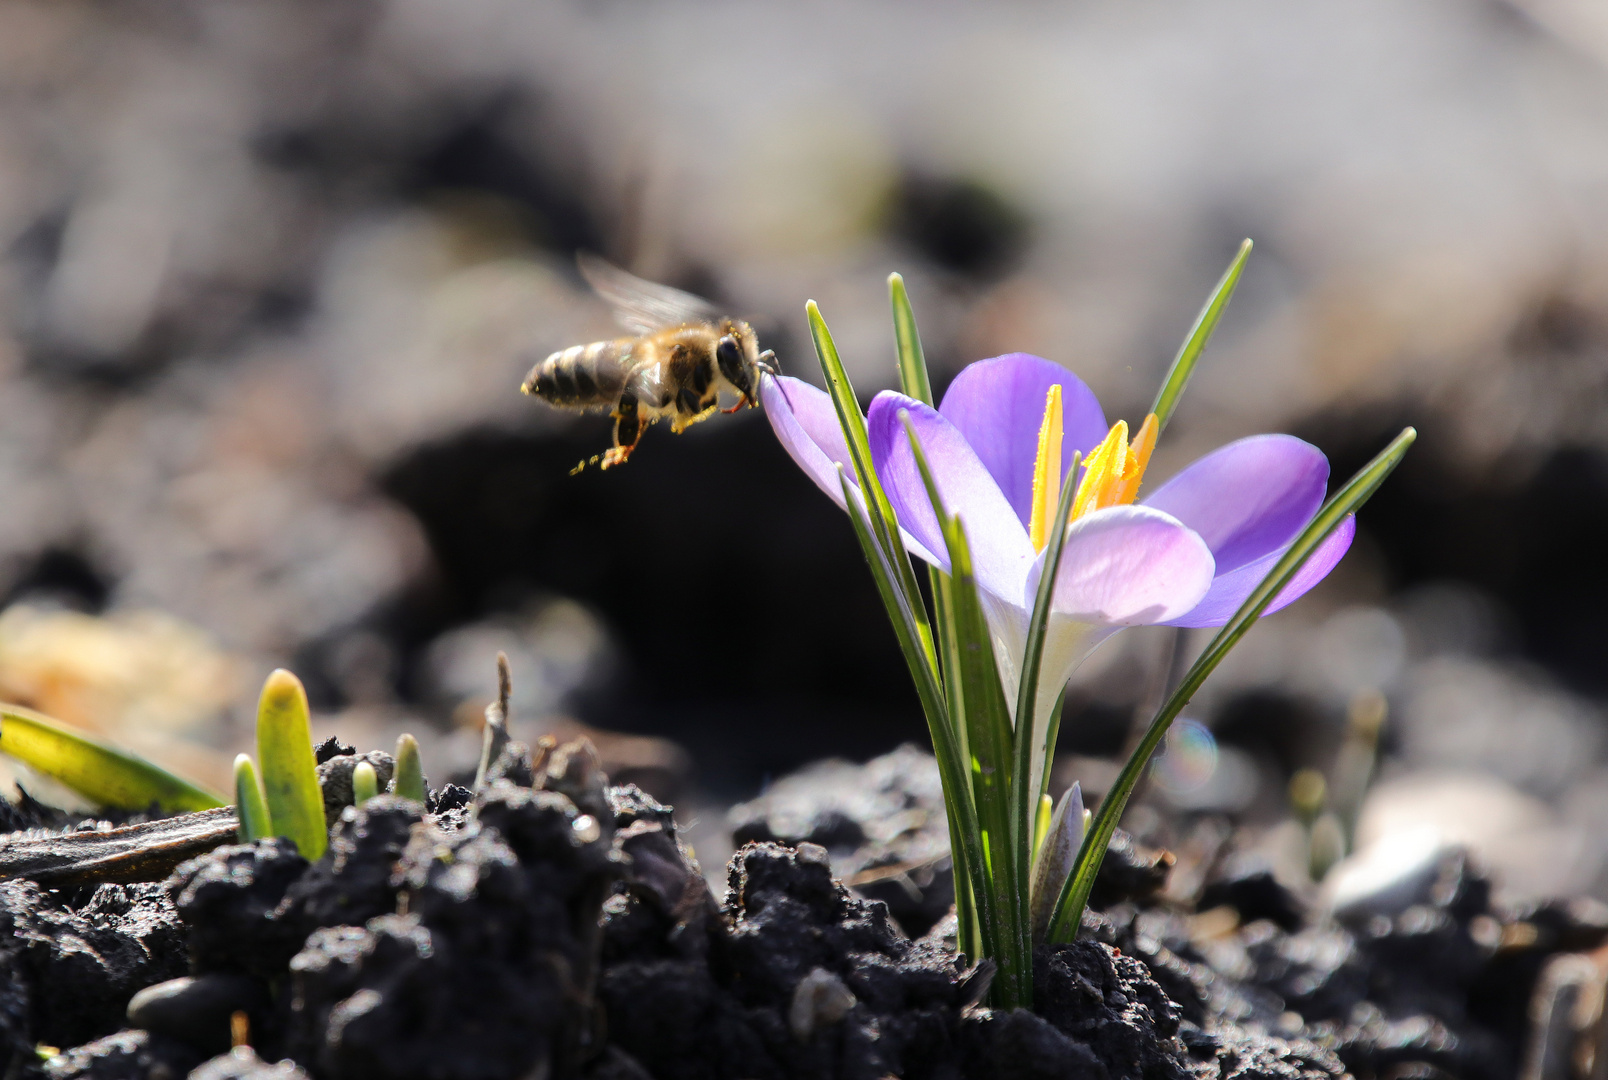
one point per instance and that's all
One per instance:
(409, 781)
(251, 805)
(289, 770)
(365, 784)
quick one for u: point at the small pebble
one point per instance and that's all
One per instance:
(196, 1009)
(587, 830)
(813, 853)
(819, 999)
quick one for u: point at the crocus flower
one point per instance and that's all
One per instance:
(1188, 554)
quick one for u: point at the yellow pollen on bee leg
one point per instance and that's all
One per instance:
(1046, 470)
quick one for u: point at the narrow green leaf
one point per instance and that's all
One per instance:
(1000, 888)
(917, 383)
(988, 728)
(101, 773)
(898, 607)
(884, 523)
(409, 780)
(964, 834)
(1032, 730)
(1052, 732)
(948, 651)
(1183, 365)
(251, 805)
(1075, 894)
(967, 932)
(289, 771)
(913, 376)
(365, 783)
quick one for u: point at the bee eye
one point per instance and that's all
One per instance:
(730, 358)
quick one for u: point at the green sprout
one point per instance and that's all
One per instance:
(991, 661)
(251, 805)
(289, 771)
(409, 779)
(103, 774)
(365, 784)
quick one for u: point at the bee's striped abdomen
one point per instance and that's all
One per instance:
(582, 375)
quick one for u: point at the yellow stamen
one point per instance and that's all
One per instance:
(1102, 471)
(1115, 470)
(1138, 458)
(1046, 470)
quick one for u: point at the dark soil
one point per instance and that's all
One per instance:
(552, 926)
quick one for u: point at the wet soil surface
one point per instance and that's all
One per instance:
(555, 926)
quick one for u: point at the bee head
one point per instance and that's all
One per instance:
(736, 365)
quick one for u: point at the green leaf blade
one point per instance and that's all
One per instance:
(965, 838)
(1361, 487)
(884, 523)
(1033, 732)
(988, 730)
(104, 774)
(1002, 900)
(913, 377)
(1183, 365)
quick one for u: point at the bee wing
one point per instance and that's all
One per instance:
(642, 306)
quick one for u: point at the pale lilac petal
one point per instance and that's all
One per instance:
(998, 406)
(1128, 566)
(806, 424)
(1001, 551)
(1229, 591)
(1248, 498)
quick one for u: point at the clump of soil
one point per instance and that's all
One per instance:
(550, 925)
(71, 959)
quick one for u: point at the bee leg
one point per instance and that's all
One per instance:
(627, 431)
(748, 400)
(690, 410)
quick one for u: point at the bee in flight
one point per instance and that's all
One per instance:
(685, 354)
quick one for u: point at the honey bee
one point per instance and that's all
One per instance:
(683, 356)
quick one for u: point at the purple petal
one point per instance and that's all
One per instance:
(1129, 566)
(806, 424)
(1001, 552)
(1248, 498)
(998, 406)
(1229, 591)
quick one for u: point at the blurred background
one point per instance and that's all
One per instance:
(271, 274)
